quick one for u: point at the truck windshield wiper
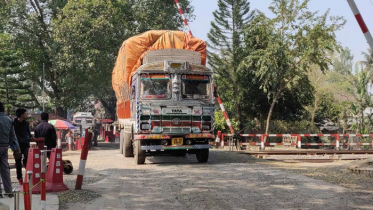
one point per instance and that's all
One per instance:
(155, 88)
(195, 86)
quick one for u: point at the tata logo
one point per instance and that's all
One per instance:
(176, 121)
(177, 111)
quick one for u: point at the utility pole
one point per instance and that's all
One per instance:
(43, 86)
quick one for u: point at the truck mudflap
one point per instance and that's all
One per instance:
(161, 147)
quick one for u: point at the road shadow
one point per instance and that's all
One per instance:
(219, 184)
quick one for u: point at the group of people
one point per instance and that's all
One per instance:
(15, 134)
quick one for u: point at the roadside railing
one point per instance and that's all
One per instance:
(227, 140)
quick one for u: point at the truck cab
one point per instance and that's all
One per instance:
(171, 106)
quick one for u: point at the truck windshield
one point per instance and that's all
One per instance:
(195, 87)
(155, 86)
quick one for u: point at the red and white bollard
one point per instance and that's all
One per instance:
(70, 141)
(29, 176)
(83, 159)
(58, 139)
(337, 142)
(26, 196)
(299, 142)
(218, 139)
(43, 191)
(222, 140)
(262, 142)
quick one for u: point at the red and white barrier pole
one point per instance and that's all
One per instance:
(218, 139)
(29, 176)
(337, 142)
(43, 191)
(262, 141)
(58, 139)
(182, 15)
(83, 159)
(225, 115)
(26, 196)
(69, 140)
(299, 142)
(361, 23)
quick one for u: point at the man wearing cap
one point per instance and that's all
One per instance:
(6, 138)
(22, 129)
(46, 130)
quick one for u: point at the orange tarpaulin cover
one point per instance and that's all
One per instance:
(133, 51)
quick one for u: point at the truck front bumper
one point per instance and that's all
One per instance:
(179, 147)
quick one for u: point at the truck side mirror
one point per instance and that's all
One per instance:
(215, 92)
(133, 92)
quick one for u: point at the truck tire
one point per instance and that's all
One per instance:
(202, 155)
(121, 140)
(127, 145)
(139, 154)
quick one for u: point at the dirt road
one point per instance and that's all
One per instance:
(228, 181)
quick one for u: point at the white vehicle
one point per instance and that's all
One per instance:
(85, 119)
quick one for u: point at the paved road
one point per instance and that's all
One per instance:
(228, 181)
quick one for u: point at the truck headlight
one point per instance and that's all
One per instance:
(145, 126)
(206, 127)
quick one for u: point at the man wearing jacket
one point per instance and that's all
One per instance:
(6, 137)
(23, 134)
(46, 130)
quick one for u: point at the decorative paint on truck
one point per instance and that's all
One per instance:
(170, 103)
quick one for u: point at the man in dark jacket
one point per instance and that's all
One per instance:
(46, 130)
(22, 129)
(6, 137)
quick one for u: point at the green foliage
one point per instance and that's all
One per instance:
(77, 41)
(29, 22)
(14, 86)
(295, 40)
(227, 52)
(221, 125)
(91, 32)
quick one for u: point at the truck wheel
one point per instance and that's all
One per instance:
(121, 139)
(202, 155)
(139, 154)
(127, 145)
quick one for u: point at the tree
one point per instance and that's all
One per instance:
(90, 34)
(29, 22)
(297, 39)
(77, 41)
(14, 86)
(227, 52)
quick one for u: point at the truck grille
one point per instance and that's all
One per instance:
(176, 123)
(176, 129)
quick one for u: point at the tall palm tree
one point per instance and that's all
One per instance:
(368, 62)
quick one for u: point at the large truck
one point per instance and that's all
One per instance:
(165, 95)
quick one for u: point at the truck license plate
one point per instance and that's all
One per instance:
(177, 141)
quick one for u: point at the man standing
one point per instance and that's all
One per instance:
(22, 130)
(6, 137)
(46, 130)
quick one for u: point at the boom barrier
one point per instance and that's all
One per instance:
(299, 143)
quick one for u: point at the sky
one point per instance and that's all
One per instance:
(349, 36)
